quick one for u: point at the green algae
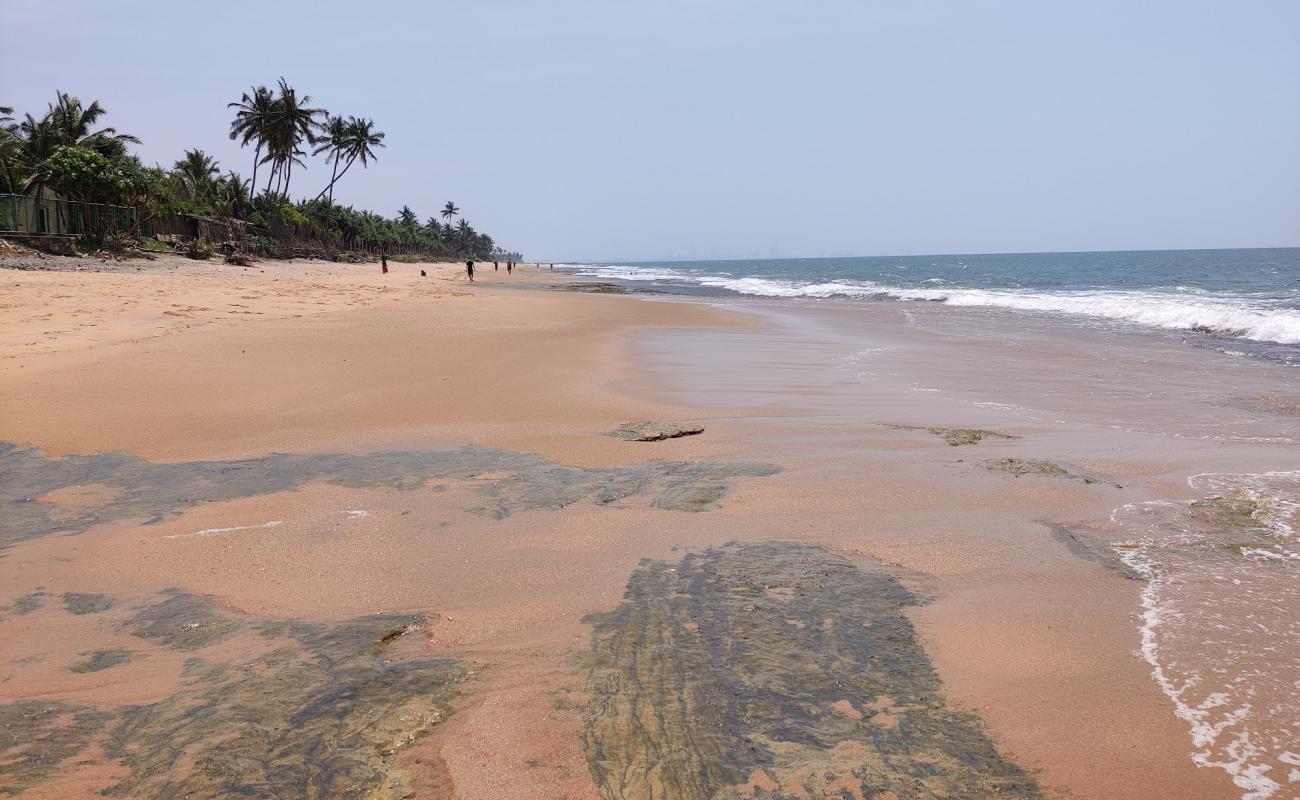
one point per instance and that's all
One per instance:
(957, 437)
(102, 660)
(1020, 467)
(650, 431)
(783, 660)
(158, 491)
(27, 603)
(183, 622)
(37, 738)
(86, 602)
(310, 710)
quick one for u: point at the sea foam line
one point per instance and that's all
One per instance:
(218, 531)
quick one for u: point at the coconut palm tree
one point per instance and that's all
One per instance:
(335, 142)
(196, 172)
(407, 218)
(73, 125)
(359, 144)
(252, 122)
(293, 121)
(449, 211)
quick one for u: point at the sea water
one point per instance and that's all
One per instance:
(1245, 301)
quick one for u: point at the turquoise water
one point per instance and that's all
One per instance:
(1251, 297)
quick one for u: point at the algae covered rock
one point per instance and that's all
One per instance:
(655, 431)
(763, 665)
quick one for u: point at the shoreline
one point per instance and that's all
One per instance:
(508, 554)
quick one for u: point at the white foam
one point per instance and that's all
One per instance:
(1180, 308)
(219, 531)
(1218, 632)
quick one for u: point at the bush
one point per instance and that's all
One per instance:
(199, 250)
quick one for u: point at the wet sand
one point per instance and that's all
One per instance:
(454, 575)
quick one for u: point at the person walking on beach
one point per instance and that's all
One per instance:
(496, 265)
(383, 262)
(469, 270)
(510, 266)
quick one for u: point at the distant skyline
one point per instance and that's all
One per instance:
(736, 128)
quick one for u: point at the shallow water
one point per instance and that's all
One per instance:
(1221, 620)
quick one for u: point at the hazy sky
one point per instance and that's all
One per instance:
(735, 128)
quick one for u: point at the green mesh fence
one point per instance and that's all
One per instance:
(26, 214)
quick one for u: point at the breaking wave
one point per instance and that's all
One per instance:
(1180, 308)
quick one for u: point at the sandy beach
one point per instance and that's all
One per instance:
(310, 530)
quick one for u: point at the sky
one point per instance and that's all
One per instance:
(618, 130)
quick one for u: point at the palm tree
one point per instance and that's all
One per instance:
(293, 121)
(196, 172)
(73, 124)
(359, 144)
(231, 193)
(10, 151)
(335, 141)
(252, 122)
(448, 211)
(407, 218)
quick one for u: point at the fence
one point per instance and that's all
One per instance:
(46, 215)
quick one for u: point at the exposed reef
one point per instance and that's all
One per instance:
(156, 491)
(307, 710)
(776, 670)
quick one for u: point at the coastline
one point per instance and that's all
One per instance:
(508, 553)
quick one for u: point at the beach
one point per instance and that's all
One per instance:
(307, 529)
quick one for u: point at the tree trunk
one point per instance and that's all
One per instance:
(334, 176)
(257, 156)
(330, 188)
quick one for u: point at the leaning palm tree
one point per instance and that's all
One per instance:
(293, 122)
(252, 122)
(359, 144)
(335, 142)
(449, 211)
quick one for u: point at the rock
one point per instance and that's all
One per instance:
(655, 431)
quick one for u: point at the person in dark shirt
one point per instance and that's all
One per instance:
(469, 270)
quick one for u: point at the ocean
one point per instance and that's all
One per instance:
(1245, 301)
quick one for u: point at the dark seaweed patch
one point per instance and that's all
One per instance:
(320, 716)
(36, 737)
(957, 437)
(183, 621)
(783, 660)
(27, 603)
(318, 710)
(101, 660)
(86, 602)
(157, 491)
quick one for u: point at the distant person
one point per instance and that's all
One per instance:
(510, 267)
(383, 262)
(496, 265)
(552, 268)
(469, 270)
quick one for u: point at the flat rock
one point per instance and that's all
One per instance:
(655, 431)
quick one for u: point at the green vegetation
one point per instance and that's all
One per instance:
(69, 152)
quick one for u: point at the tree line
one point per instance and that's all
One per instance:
(67, 150)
